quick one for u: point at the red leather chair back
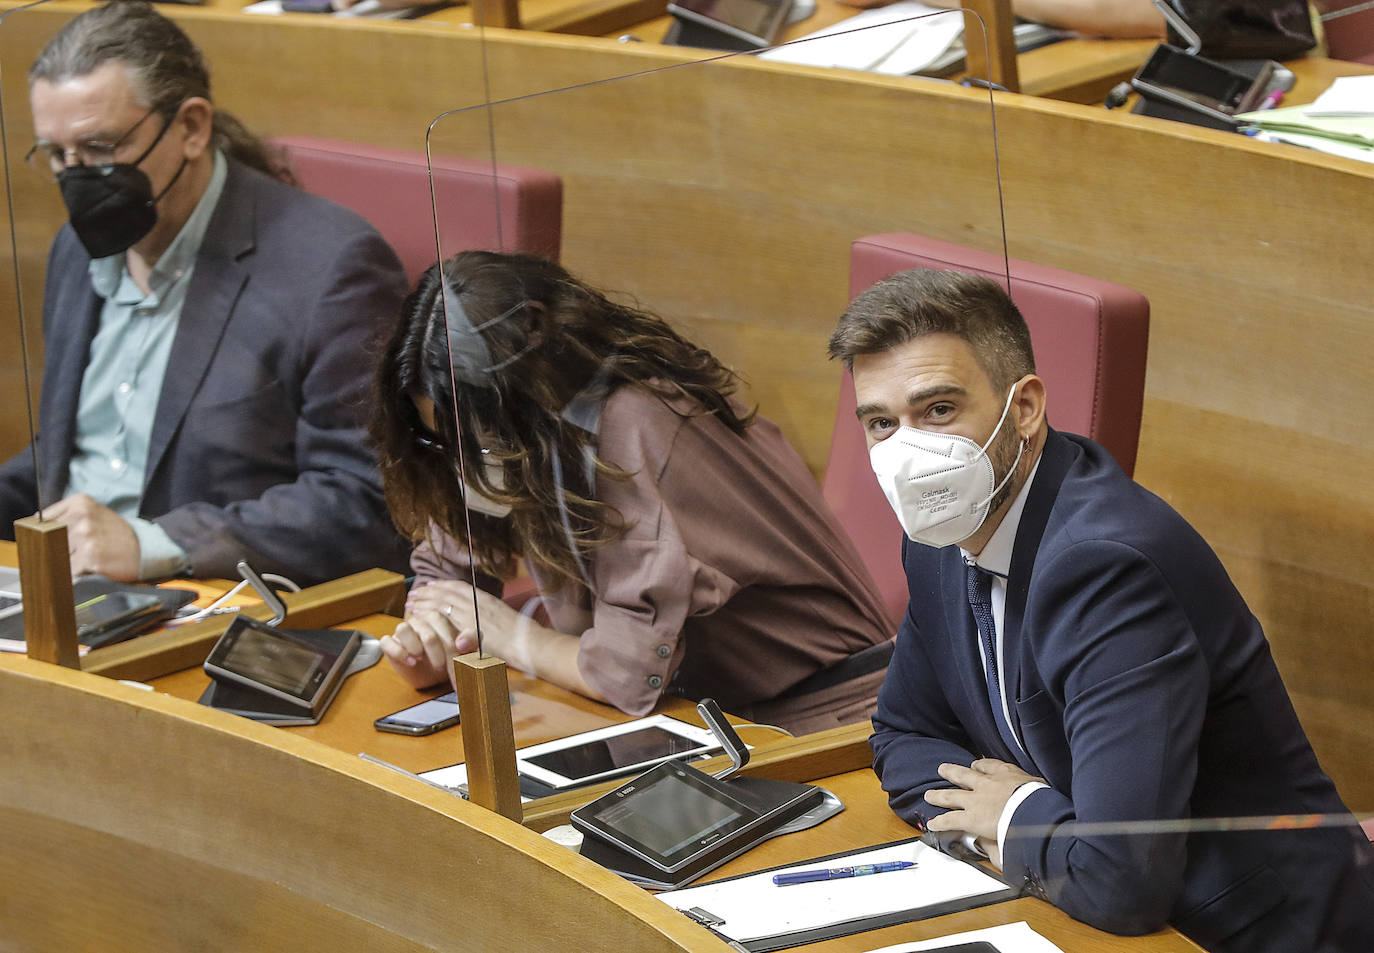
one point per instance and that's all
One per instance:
(1090, 339)
(1349, 35)
(496, 208)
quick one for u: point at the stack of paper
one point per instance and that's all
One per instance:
(1343, 135)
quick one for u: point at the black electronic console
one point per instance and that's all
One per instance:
(1199, 90)
(295, 671)
(675, 823)
(281, 676)
(727, 24)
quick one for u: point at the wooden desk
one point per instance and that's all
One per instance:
(540, 711)
(1080, 70)
(206, 831)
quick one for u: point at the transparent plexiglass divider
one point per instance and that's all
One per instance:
(719, 193)
(33, 214)
(724, 201)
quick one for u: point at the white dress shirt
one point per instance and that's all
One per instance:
(996, 559)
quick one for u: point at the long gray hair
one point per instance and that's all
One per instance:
(164, 65)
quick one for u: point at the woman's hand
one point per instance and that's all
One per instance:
(421, 648)
(441, 595)
(440, 623)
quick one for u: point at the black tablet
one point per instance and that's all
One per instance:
(279, 663)
(668, 817)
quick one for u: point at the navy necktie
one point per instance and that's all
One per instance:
(980, 601)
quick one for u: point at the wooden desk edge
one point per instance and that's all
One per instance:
(180, 647)
(241, 741)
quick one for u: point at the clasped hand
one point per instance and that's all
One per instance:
(99, 540)
(975, 805)
(440, 622)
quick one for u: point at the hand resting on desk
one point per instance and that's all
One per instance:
(440, 623)
(98, 539)
(1122, 19)
(976, 805)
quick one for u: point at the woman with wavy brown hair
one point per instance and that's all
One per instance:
(679, 543)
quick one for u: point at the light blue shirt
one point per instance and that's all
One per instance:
(123, 380)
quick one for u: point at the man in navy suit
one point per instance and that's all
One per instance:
(206, 329)
(1078, 689)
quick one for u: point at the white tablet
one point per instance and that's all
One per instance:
(613, 752)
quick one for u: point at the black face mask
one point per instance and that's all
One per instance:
(112, 207)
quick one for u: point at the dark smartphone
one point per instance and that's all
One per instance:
(423, 719)
(307, 6)
(100, 612)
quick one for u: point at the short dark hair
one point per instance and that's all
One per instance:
(165, 67)
(924, 301)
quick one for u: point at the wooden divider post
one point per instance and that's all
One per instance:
(488, 733)
(996, 60)
(45, 575)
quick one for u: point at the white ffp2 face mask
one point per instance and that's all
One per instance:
(496, 476)
(939, 484)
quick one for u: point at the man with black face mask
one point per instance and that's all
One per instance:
(203, 329)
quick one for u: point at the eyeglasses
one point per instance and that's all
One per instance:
(48, 159)
(427, 439)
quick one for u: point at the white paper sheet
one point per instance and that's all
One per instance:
(897, 50)
(754, 907)
(1008, 938)
(1347, 96)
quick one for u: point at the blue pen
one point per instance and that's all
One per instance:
(839, 873)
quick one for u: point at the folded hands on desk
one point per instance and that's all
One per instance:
(976, 805)
(441, 621)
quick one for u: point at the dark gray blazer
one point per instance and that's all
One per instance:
(1142, 689)
(258, 447)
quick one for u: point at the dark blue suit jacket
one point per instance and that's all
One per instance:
(258, 448)
(1143, 690)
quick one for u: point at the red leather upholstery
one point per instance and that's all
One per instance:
(498, 208)
(1349, 36)
(501, 208)
(1090, 339)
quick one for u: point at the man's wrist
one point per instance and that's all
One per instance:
(1009, 809)
(158, 555)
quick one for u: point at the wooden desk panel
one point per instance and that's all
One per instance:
(134, 821)
(540, 711)
(1079, 70)
(167, 805)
